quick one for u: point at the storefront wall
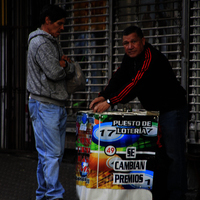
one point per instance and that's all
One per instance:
(92, 37)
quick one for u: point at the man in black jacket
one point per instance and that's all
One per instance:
(146, 73)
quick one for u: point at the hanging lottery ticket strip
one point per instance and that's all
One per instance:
(116, 154)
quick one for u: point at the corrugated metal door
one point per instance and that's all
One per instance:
(87, 40)
(161, 22)
(93, 38)
(95, 42)
(194, 73)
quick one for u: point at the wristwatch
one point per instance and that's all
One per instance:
(108, 101)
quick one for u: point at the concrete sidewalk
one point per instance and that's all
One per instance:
(18, 176)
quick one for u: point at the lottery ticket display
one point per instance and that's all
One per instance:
(116, 154)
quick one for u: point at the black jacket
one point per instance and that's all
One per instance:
(148, 77)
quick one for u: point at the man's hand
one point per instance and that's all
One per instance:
(99, 105)
(63, 60)
(66, 58)
(96, 101)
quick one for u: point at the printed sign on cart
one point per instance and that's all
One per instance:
(122, 152)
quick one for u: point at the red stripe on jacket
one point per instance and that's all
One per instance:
(138, 76)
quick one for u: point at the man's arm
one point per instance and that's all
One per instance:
(68, 65)
(53, 68)
(129, 86)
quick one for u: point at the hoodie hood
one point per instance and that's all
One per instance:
(40, 32)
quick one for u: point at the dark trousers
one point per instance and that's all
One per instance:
(170, 177)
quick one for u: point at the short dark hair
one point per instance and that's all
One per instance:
(54, 13)
(133, 29)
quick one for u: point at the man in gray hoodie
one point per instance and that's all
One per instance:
(48, 70)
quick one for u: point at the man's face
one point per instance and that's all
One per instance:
(56, 27)
(133, 44)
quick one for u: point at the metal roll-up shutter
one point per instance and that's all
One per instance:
(194, 73)
(161, 23)
(87, 40)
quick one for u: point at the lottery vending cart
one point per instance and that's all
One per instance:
(116, 155)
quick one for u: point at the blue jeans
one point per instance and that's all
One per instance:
(49, 124)
(171, 174)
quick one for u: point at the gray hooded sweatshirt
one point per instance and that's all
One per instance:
(46, 79)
